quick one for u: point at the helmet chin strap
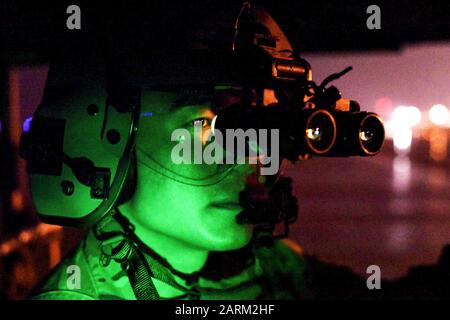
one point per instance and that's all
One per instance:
(265, 204)
(119, 242)
(148, 161)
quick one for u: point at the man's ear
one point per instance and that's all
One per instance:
(130, 182)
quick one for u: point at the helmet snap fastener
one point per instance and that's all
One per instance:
(113, 136)
(67, 187)
(92, 109)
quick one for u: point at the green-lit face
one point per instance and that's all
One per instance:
(201, 216)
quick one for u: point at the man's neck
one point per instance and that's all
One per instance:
(179, 261)
(181, 257)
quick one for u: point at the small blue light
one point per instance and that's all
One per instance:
(146, 114)
(26, 124)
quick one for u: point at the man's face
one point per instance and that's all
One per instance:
(165, 203)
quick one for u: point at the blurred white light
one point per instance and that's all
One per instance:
(402, 174)
(402, 138)
(438, 114)
(403, 119)
(409, 116)
(414, 116)
(398, 114)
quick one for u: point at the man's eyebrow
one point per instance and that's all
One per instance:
(190, 101)
(195, 97)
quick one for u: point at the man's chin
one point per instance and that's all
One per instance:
(234, 241)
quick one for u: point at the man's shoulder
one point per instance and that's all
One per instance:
(71, 279)
(319, 279)
(290, 256)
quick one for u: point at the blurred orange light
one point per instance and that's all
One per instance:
(438, 144)
(17, 201)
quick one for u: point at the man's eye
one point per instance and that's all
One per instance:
(203, 122)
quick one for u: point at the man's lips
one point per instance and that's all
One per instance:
(252, 187)
(229, 205)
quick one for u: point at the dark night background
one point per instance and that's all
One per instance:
(392, 210)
